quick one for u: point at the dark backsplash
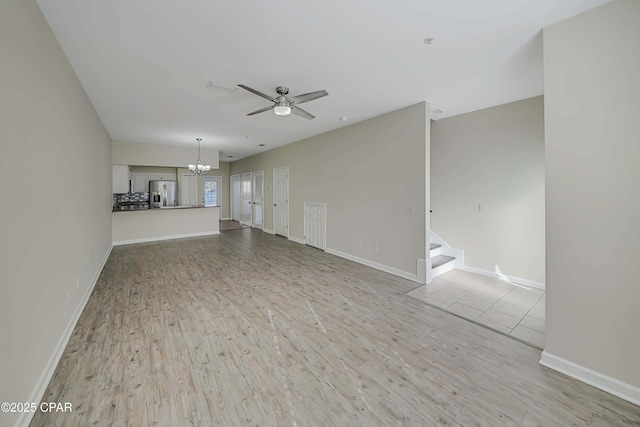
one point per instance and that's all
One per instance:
(131, 201)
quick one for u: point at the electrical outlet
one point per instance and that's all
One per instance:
(376, 247)
(77, 283)
(360, 243)
(69, 295)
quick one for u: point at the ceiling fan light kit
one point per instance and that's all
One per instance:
(283, 105)
(282, 109)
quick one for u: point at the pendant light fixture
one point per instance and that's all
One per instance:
(199, 168)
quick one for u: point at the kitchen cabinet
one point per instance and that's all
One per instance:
(140, 181)
(189, 190)
(162, 177)
(120, 179)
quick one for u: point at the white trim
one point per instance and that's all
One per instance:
(273, 195)
(155, 239)
(373, 264)
(435, 252)
(242, 199)
(421, 269)
(446, 249)
(518, 280)
(43, 381)
(225, 219)
(266, 230)
(444, 268)
(603, 382)
(296, 240)
(231, 196)
(460, 265)
(253, 200)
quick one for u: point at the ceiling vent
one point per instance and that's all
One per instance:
(214, 85)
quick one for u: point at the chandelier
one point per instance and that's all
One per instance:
(199, 168)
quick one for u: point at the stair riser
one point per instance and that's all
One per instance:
(444, 268)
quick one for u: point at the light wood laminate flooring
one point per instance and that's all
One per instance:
(247, 328)
(227, 224)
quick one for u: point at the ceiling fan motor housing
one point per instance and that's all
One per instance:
(282, 90)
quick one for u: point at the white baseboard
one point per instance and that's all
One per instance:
(518, 280)
(296, 240)
(460, 265)
(266, 230)
(43, 381)
(225, 219)
(603, 382)
(374, 264)
(155, 239)
(421, 269)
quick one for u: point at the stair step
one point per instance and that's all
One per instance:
(439, 260)
(433, 246)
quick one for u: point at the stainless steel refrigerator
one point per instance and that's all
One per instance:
(163, 193)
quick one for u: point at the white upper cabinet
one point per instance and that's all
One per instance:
(162, 176)
(120, 178)
(140, 181)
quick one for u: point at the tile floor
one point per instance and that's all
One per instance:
(514, 310)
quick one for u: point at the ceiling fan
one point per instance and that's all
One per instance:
(284, 105)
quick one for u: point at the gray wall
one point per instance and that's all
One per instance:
(223, 171)
(592, 101)
(143, 154)
(493, 156)
(50, 135)
(366, 173)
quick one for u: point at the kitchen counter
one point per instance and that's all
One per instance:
(175, 222)
(128, 209)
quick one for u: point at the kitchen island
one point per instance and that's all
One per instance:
(146, 225)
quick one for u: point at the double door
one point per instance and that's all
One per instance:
(252, 198)
(247, 199)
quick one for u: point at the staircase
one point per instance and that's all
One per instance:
(440, 263)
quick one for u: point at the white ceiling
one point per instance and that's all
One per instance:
(145, 64)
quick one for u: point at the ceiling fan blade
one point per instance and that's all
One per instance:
(270, 98)
(306, 97)
(300, 112)
(262, 110)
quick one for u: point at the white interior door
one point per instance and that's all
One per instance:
(258, 198)
(189, 190)
(315, 224)
(246, 199)
(236, 198)
(281, 201)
